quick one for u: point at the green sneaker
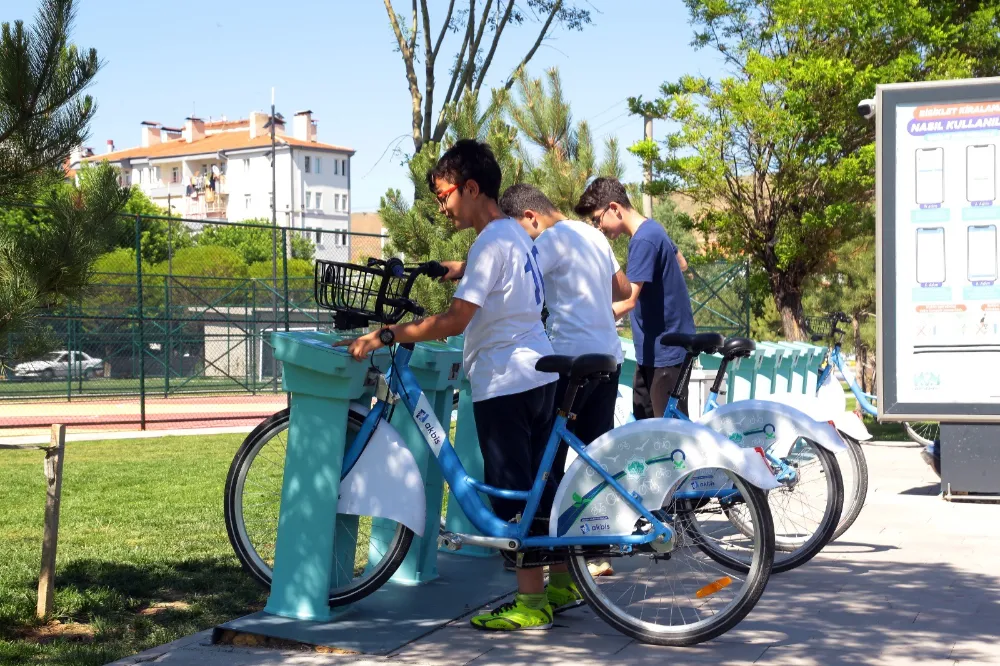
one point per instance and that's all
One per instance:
(514, 616)
(563, 598)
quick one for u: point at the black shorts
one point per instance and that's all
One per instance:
(513, 431)
(651, 391)
(594, 407)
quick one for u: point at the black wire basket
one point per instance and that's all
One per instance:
(361, 294)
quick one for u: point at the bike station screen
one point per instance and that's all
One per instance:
(945, 215)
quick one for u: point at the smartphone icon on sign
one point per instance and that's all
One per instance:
(930, 255)
(983, 253)
(930, 176)
(980, 172)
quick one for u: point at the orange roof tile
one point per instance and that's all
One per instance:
(212, 143)
(227, 124)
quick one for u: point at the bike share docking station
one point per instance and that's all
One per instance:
(315, 546)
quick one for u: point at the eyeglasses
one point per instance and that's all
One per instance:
(597, 219)
(443, 195)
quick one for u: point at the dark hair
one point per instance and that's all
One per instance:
(519, 198)
(468, 160)
(599, 194)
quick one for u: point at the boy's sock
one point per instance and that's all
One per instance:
(560, 579)
(534, 601)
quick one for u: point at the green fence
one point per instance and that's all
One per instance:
(176, 328)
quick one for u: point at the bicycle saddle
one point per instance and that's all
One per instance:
(578, 368)
(738, 347)
(699, 343)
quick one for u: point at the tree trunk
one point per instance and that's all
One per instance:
(865, 358)
(788, 300)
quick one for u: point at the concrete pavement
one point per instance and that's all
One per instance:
(916, 580)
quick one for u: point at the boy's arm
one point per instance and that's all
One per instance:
(626, 305)
(621, 288)
(452, 322)
(681, 261)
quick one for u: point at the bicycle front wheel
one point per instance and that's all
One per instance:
(855, 474)
(684, 597)
(252, 504)
(924, 433)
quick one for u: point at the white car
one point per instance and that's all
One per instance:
(60, 364)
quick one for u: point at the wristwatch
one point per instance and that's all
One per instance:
(386, 336)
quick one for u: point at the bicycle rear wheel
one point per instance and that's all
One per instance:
(805, 512)
(683, 597)
(252, 503)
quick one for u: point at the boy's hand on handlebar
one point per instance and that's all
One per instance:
(456, 270)
(359, 348)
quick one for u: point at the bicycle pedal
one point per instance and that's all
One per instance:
(449, 541)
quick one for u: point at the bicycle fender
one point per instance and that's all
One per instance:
(831, 392)
(650, 459)
(819, 410)
(385, 482)
(771, 426)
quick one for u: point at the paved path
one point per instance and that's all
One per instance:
(916, 581)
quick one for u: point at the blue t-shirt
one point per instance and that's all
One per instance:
(664, 305)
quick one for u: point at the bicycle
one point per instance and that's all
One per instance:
(925, 433)
(797, 467)
(620, 510)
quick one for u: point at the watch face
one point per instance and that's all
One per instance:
(386, 336)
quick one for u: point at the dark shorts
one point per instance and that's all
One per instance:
(513, 431)
(594, 407)
(651, 391)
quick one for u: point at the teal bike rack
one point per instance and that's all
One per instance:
(308, 559)
(789, 377)
(768, 356)
(467, 448)
(437, 367)
(627, 376)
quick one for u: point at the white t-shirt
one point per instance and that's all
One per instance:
(505, 337)
(578, 264)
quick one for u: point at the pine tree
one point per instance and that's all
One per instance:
(43, 111)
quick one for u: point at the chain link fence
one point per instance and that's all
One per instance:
(175, 329)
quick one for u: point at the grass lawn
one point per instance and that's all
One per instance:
(882, 432)
(143, 554)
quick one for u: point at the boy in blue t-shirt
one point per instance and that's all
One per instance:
(659, 302)
(498, 307)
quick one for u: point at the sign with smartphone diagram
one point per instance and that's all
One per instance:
(938, 278)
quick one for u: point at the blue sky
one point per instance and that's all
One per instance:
(337, 57)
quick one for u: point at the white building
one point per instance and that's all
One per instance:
(174, 167)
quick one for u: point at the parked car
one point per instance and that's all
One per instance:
(60, 364)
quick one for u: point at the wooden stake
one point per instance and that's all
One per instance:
(53, 478)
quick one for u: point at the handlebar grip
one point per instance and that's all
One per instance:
(837, 331)
(394, 267)
(433, 269)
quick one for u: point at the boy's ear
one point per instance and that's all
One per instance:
(532, 218)
(472, 187)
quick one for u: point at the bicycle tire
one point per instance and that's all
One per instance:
(923, 433)
(255, 564)
(704, 629)
(854, 500)
(798, 551)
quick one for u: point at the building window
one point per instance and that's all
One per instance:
(270, 199)
(335, 163)
(246, 165)
(309, 199)
(343, 239)
(140, 175)
(308, 163)
(319, 197)
(343, 200)
(319, 237)
(336, 202)
(343, 167)
(175, 175)
(319, 165)
(246, 201)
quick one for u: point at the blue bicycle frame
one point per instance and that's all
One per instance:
(834, 357)
(402, 382)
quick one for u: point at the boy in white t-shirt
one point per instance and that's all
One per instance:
(498, 306)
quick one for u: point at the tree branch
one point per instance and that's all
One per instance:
(534, 47)
(444, 27)
(470, 64)
(493, 46)
(430, 61)
(411, 75)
